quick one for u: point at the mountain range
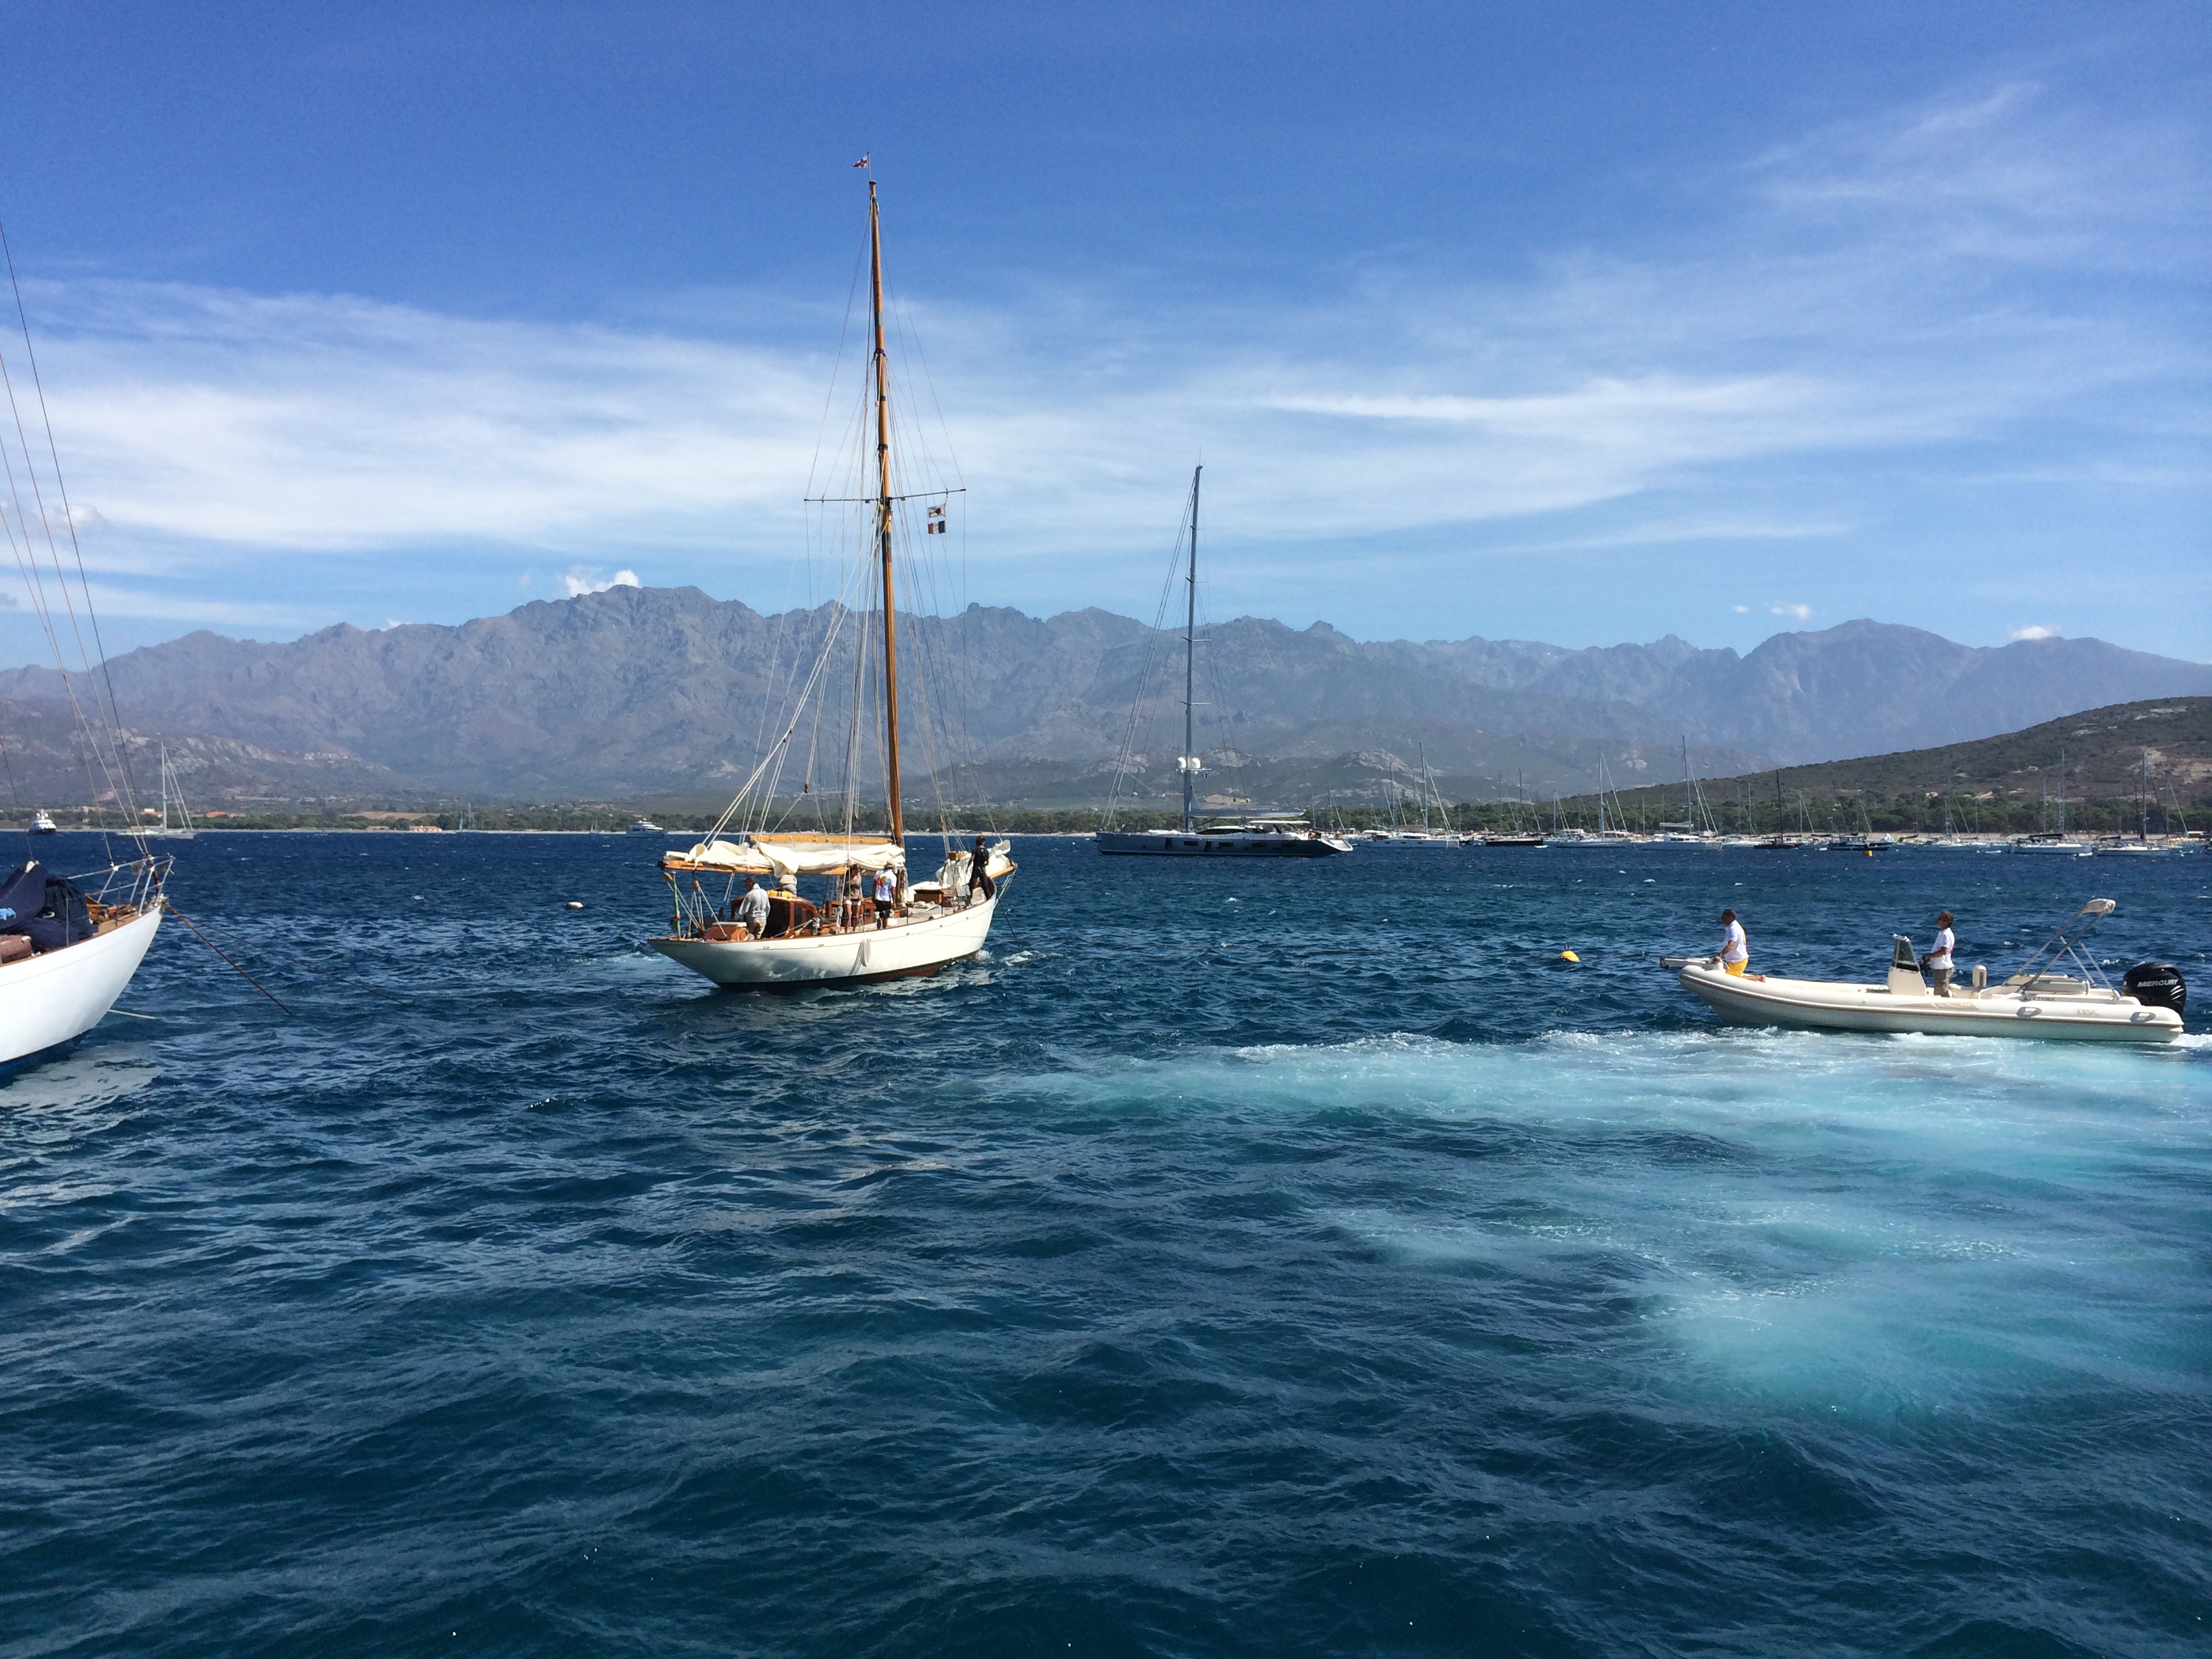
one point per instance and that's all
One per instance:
(643, 693)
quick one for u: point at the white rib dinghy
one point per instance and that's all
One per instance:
(2041, 1000)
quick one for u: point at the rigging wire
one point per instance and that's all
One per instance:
(1149, 667)
(110, 758)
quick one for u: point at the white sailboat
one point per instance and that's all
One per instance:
(52, 995)
(172, 797)
(844, 936)
(68, 946)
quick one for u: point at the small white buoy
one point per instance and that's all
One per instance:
(575, 904)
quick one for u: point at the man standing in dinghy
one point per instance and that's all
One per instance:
(1937, 962)
(1735, 948)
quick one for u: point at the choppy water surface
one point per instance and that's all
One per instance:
(1239, 1260)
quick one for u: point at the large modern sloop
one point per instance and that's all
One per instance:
(1262, 836)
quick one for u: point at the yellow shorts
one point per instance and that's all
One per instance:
(1737, 968)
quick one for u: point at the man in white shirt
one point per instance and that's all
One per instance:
(1937, 961)
(1735, 948)
(752, 908)
(886, 897)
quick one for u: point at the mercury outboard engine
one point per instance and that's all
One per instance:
(2155, 985)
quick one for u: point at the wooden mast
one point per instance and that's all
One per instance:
(884, 525)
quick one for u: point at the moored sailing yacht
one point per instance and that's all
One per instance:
(1265, 835)
(870, 922)
(171, 796)
(68, 946)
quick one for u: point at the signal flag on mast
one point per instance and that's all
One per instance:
(936, 521)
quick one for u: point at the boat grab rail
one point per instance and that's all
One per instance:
(2065, 945)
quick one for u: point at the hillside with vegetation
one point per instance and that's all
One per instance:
(2104, 770)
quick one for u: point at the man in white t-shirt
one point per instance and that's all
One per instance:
(751, 909)
(1937, 961)
(1735, 948)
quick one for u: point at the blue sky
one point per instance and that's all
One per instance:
(1575, 322)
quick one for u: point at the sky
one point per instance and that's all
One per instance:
(1575, 322)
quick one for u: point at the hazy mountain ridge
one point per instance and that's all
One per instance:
(637, 690)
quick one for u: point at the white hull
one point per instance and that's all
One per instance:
(902, 950)
(1829, 1005)
(50, 1000)
(1170, 844)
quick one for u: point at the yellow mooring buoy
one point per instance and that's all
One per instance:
(1569, 956)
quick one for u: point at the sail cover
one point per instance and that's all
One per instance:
(762, 856)
(37, 903)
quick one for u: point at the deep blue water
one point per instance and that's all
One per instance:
(1239, 1260)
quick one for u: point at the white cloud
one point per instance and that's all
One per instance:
(2033, 631)
(1845, 306)
(1742, 610)
(1801, 612)
(580, 582)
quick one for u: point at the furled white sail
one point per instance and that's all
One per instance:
(756, 856)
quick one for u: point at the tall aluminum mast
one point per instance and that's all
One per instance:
(1189, 674)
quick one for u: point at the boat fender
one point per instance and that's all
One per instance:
(2156, 985)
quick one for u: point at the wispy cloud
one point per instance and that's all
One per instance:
(2033, 631)
(1794, 612)
(1873, 290)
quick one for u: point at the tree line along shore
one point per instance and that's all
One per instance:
(2104, 771)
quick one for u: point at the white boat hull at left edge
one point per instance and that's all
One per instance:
(905, 949)
(49, 1000)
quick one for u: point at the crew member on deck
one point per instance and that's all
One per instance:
(979, 872)
(751, 908)
(886, 895)
(1937, 961)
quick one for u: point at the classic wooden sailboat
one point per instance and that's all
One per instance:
(845, 933)
(1263, 836)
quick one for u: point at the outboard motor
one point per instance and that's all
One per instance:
(2155, 985)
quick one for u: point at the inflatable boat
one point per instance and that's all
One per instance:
(2058, 992)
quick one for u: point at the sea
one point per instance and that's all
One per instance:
(1238, 1258)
